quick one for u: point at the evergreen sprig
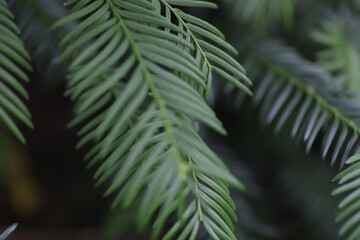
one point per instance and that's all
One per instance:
(349, 207)
(139, 75)
(341, 55)
(286, 85)
(13, 60)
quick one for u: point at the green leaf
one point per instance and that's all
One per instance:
(13, 61)
(139, 78)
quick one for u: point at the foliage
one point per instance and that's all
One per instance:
(140, 73)
(289, 86)
(342, 54)
(132, 66)
(349, 206)
(13, 57)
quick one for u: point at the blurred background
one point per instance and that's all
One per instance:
(45, 187)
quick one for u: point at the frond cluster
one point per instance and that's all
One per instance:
(139, 75)
(13, 59)
(287, 86)
(349, 207)
(341, 56)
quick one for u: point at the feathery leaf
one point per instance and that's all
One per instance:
(342, 53)
(139, 75)
(286, 85)
(13, 59)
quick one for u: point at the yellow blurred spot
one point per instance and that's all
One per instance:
(25, 193)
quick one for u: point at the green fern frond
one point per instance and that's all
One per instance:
(13, 57)
(349, 207)
(8, 231)
(286, 86)
(139, 81)
(341, 55)
(261, 12)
